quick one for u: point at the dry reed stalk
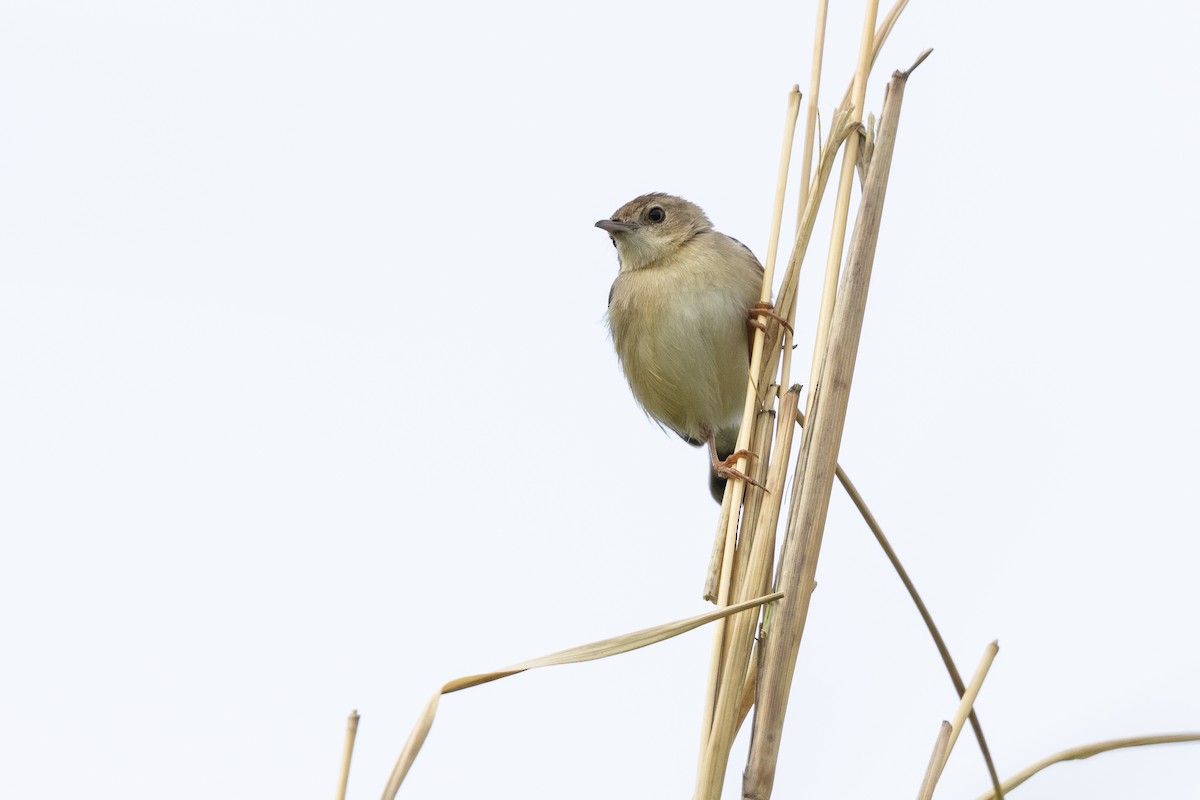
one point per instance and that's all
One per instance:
(1089, 750)
(841, 209)
(816, 465)
(785, 160)
(810, 125)
(347, 752)
(712, 580)
(575, 655)
(814, 98)
(865, 148)
(752, 505)
(938, 757)
(785, 366)
(881, 34)
(944, 746)
(967, 701)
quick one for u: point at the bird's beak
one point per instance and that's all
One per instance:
(615, 226)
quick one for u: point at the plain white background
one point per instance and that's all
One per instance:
(307, 402)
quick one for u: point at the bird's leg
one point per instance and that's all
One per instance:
(766, 309)
(725, 468)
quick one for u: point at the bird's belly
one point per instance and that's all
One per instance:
(687, 362)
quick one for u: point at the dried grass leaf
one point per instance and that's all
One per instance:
(575, 655)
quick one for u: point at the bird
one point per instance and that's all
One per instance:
(680, 313)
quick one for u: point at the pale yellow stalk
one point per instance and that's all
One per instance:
(1089, 750)
(347, 752)
(841, 209)
(810, 117)
(933, 769)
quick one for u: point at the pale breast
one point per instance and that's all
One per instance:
(680, 331)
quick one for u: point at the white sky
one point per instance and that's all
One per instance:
(308, 403)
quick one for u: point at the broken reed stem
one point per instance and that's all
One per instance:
(785, 366)
(347, 752)
(841, 209)
(712, 582)
(940, 748)
(945, 745)
(1089, 750)
(967, 702)
(716, 590)
(815, 467)
(727, 544)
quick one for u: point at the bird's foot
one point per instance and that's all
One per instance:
(766, 309)
(727, 468)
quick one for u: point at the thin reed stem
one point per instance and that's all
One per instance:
(943, 750)
(1089, 750)
(810, 116)
(841, 208)
(941, 747)
(347, 753)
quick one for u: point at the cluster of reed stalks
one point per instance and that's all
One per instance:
(761, 586)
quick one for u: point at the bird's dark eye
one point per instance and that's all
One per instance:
(614, 241)
(656, 214)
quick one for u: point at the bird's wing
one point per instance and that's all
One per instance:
(751, 252)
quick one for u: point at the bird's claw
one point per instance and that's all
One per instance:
(726, 469)
(766, 309)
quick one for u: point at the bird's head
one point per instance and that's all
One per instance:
(652, 226)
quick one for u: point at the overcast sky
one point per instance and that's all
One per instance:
(307, 402)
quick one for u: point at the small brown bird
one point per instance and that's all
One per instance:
(679, 312)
